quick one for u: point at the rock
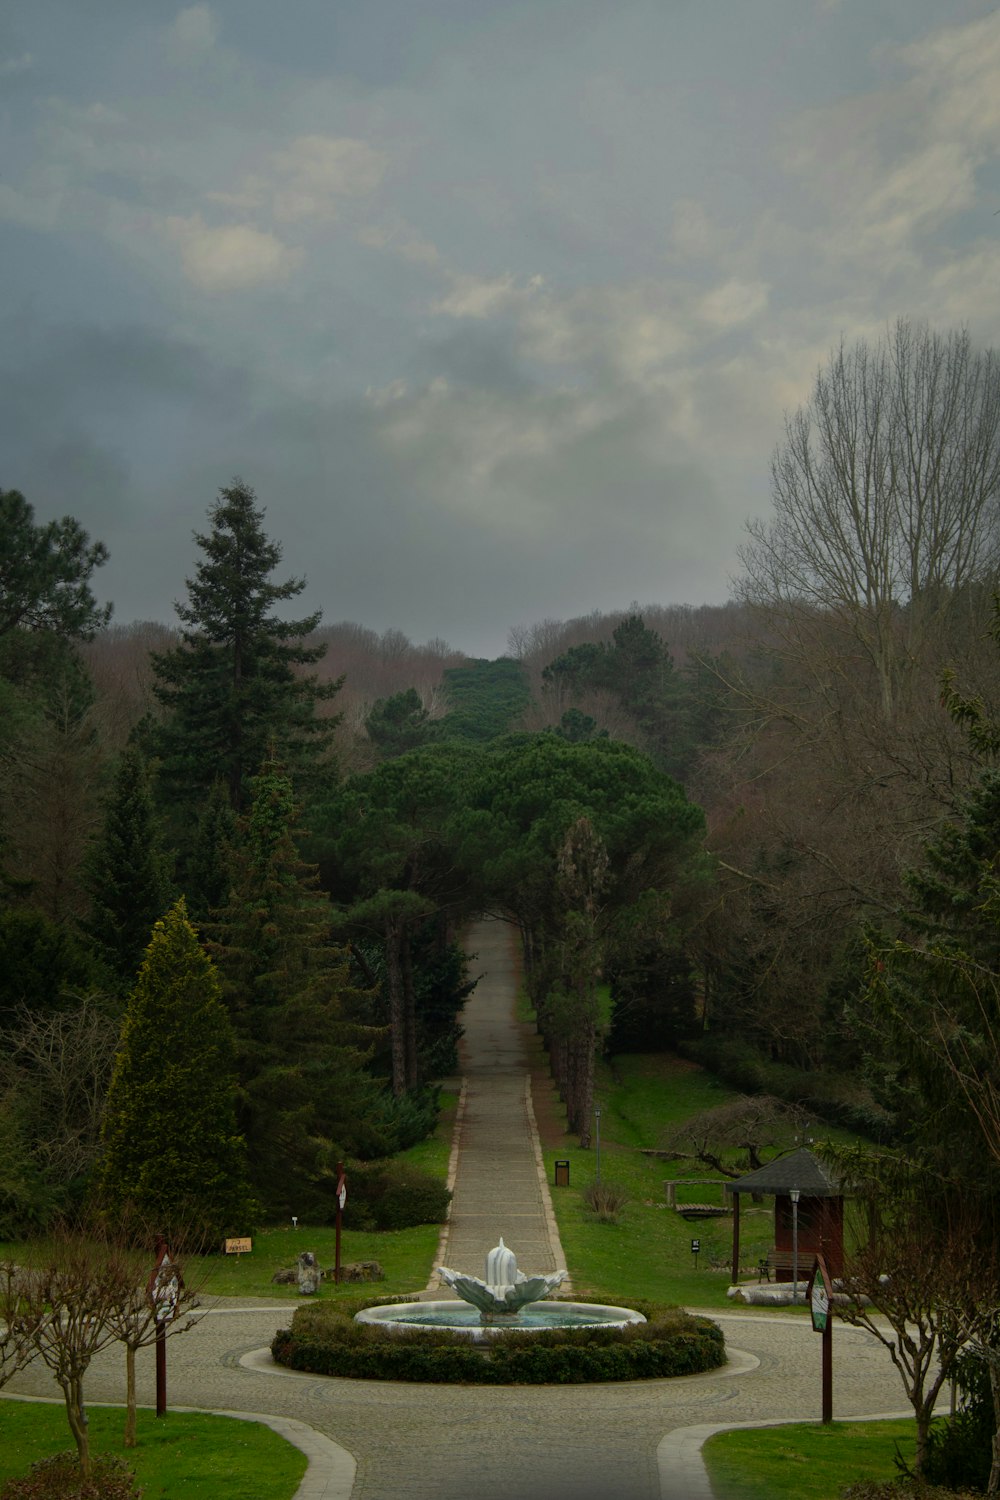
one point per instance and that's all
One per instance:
(358, 1270)
(309, 1274)
(284, 1278)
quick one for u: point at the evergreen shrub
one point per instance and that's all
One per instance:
(60, 1478)
(905, 1489)
(959, 1449)
(393, 1195)
(326, 1341)
(408, 1118)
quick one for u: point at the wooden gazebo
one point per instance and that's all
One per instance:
(820, 1213)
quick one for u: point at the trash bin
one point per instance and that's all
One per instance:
(562, 1174)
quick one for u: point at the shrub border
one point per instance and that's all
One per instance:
(327, 1341)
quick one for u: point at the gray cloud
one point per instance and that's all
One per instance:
(497, 307)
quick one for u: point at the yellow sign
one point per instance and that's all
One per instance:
(238, 1247)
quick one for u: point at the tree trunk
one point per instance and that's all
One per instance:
(587, 1048)
(409, 1012)
(397, 1004)
(76, 1416)
(129, 1396)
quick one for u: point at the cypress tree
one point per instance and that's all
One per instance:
(172, 1153)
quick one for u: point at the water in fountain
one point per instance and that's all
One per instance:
(506, 1299)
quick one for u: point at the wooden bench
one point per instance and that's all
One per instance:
(784, 1260)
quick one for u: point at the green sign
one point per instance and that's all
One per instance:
(818, 1293)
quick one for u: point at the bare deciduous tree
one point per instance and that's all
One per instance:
(61, 1060)
(885, 492)
(87, 1291)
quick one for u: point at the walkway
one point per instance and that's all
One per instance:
(417, 1442)
(499, 1185)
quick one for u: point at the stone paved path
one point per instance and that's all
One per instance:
(499, 1186)
(413, 1442)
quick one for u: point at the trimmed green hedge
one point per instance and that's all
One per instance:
(326, 1341)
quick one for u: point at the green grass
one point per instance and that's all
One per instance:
(643, 1097)
(807, 1461)
(405, 1255)
(182, 1455)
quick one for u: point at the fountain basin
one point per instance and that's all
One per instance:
(462, 1317)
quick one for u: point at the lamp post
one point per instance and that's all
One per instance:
(794, 1195)
(597, 1119)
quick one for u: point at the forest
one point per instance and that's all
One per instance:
(238, 850)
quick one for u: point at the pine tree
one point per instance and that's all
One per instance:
(231, 688)
(306, 1094)
(129, 885)
(172, 1153)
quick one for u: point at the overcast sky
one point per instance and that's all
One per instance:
(497, 304)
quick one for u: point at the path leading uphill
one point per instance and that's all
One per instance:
(380, 1441)
(499, 1179)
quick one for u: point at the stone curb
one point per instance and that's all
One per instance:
(433, 1286)
(552, 1228)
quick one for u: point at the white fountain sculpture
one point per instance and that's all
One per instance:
(506, 1289)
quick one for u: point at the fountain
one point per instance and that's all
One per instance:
(506, 1299)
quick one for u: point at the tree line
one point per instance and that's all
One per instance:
(765, 832)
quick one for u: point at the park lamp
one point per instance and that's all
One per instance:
(795, 1194)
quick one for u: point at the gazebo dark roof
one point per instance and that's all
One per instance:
(799, 1169)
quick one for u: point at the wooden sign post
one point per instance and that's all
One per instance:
(163, 1290)
(819, 1295)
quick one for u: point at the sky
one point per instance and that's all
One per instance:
(498, 305)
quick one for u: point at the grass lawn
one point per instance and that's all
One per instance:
(182, 1455)
(648, 1253)
(807, 1461)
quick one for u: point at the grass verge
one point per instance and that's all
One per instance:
(648, 1253)
(807, 1461)
(182, 1455)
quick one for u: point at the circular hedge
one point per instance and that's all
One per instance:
(325, 1340)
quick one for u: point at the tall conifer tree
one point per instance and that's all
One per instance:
(232, 687)
(172, 1153)
(305, 1090)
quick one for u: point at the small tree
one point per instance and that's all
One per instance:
(88, 1290)
(172, 1152)
(16, 1346)
(925, 1278)
(69, 1301)
(136, 1320)
(751, 1125)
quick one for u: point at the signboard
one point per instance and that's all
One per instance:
(164, 1287)
(818, 1294)
(695, 1246)
(239, 1247)
(341, 1190)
